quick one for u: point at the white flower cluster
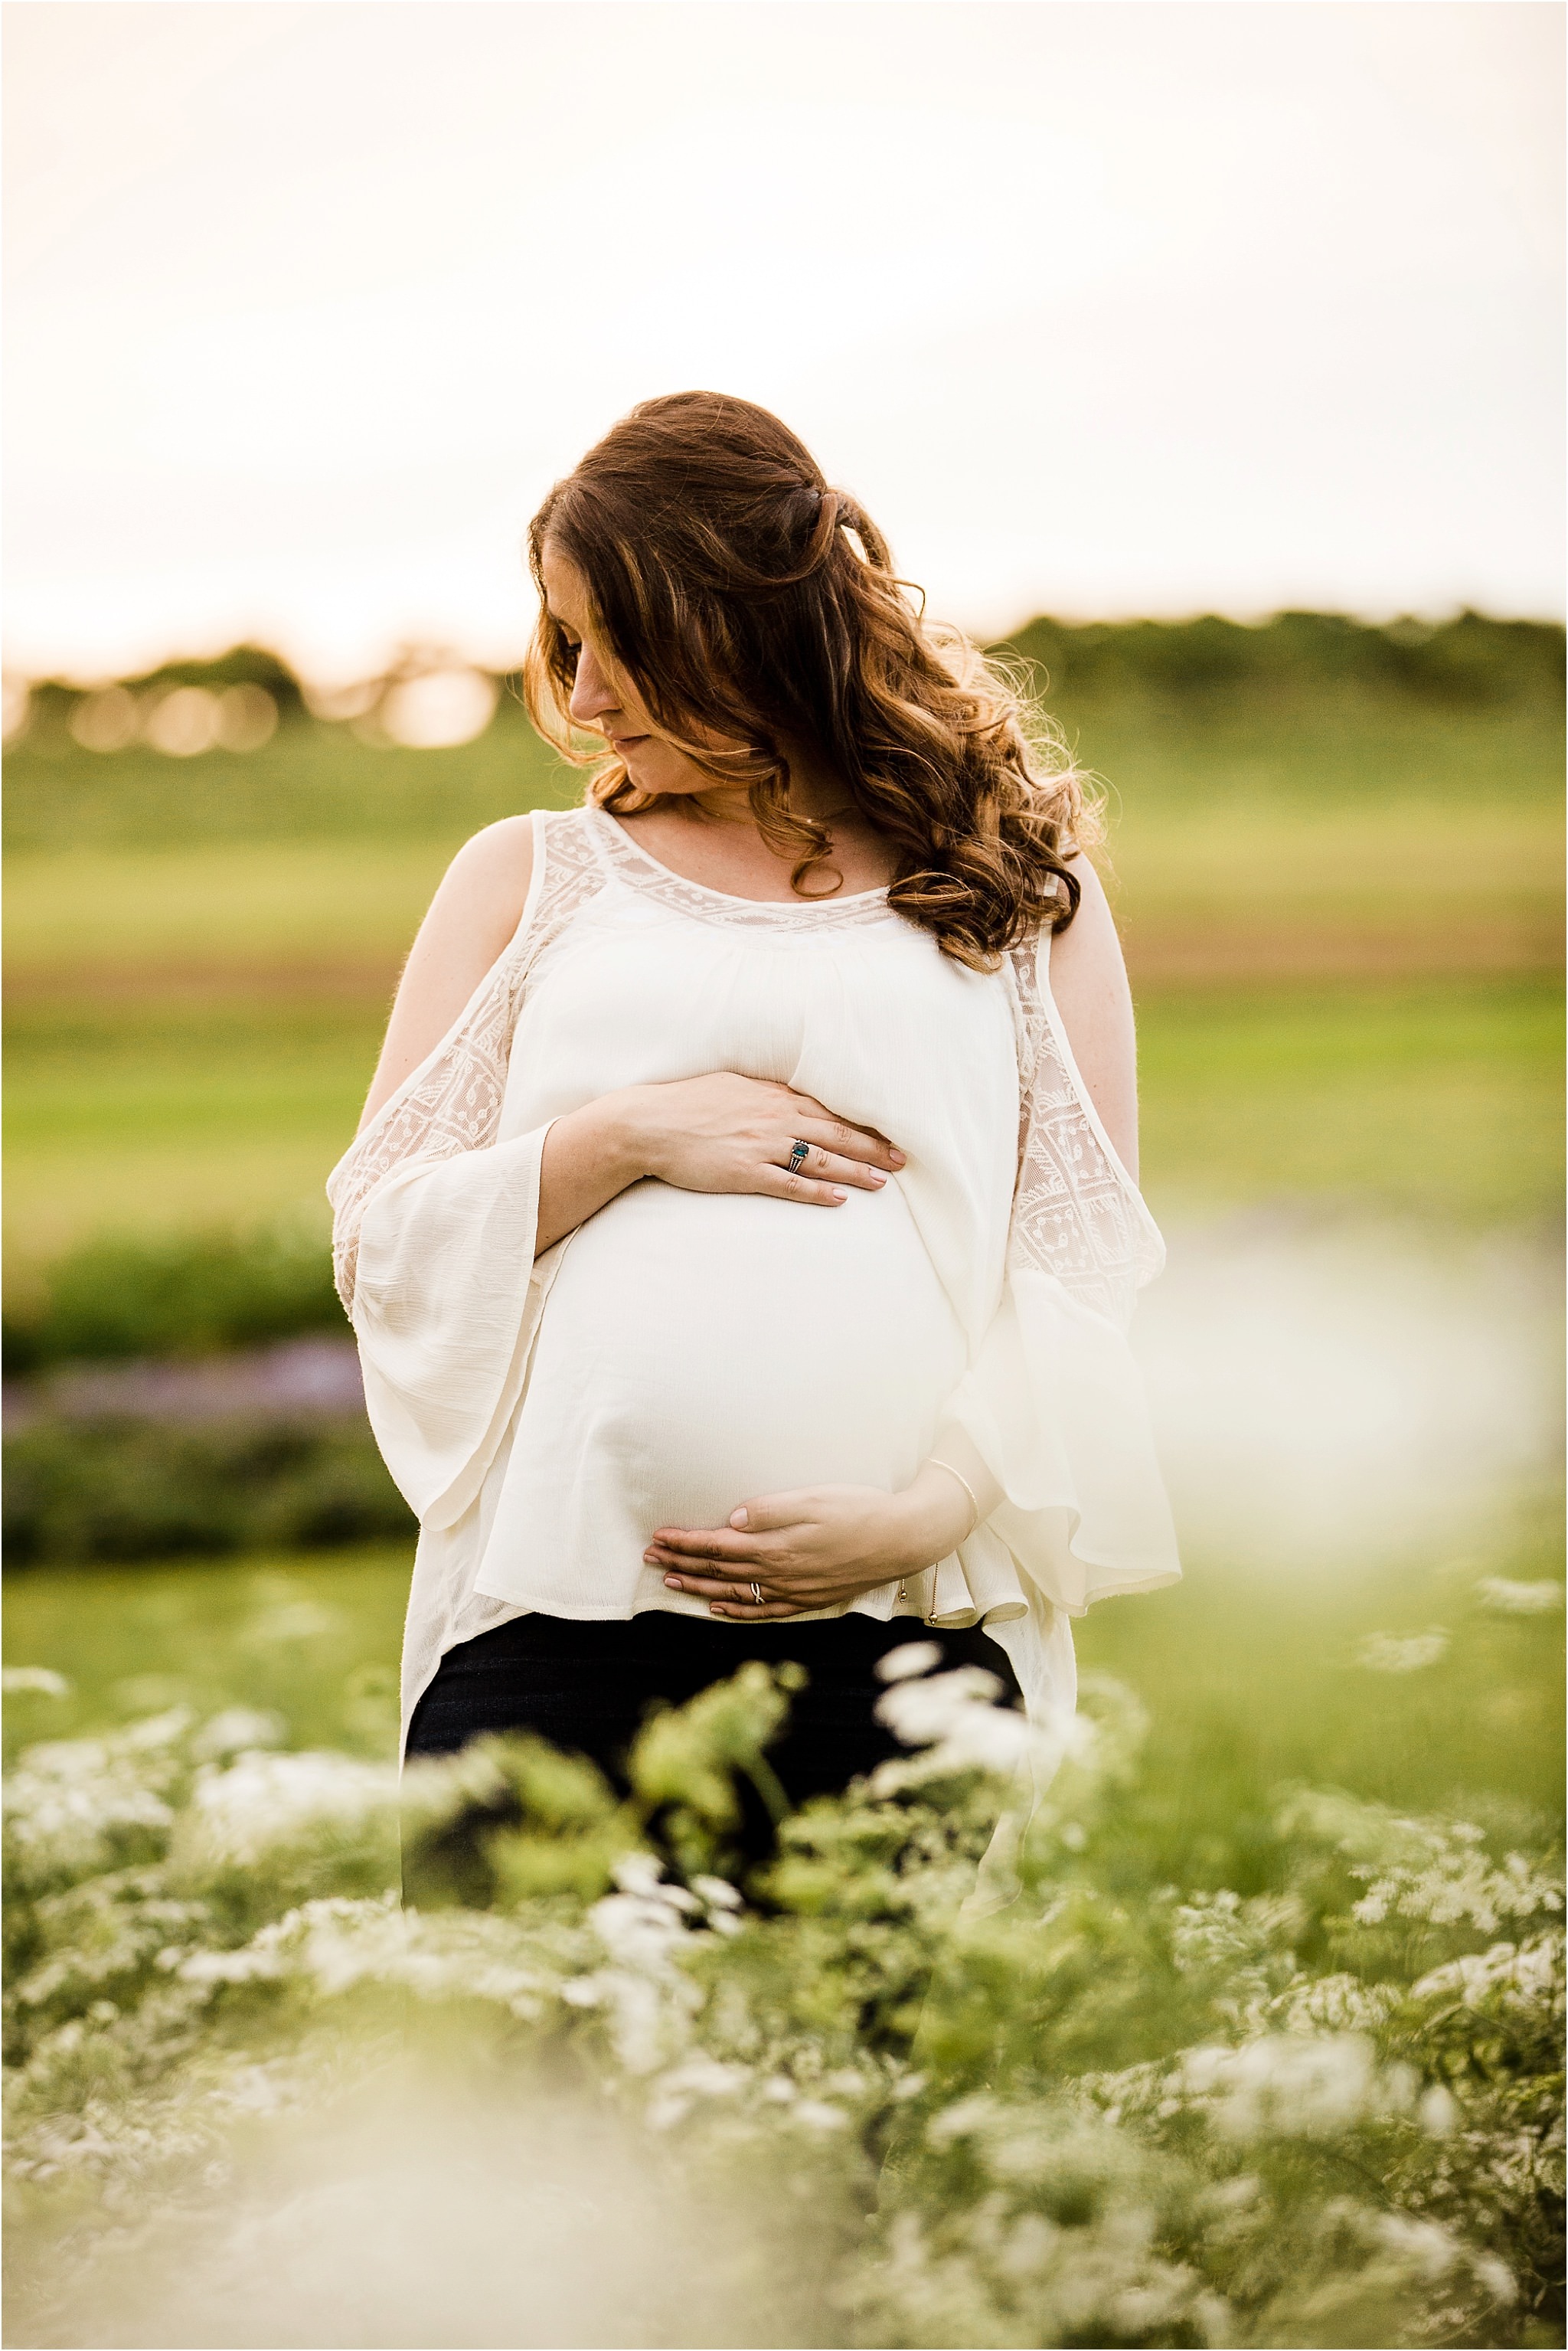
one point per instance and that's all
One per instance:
(263, 1802)
(77, 1805)
(1506, 1598)
(1403, 1652)
(1294, 2085)
(1125, 2112)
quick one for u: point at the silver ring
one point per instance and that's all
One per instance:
(799, 1154)
(757, 1592)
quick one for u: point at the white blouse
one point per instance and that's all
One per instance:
(682, 1352)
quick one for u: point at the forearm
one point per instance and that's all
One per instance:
(942, 1504)
(589, 1155)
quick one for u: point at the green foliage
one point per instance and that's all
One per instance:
(146, 1489)
(184, 1293)
(314, 780)
(1106, 2111)
(1469, 661)
(318, 780)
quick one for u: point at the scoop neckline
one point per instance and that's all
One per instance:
(732, 897)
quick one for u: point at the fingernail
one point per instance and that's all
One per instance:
(899, 1155)
(876, 1178)
(674, 1582)
(738, 1519)
(840, 1195)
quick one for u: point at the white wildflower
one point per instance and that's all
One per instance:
(263, 1802)
(717, 1892)
(1420, 2245)
(1529, 1976)
(955, 1716)
(815, 2114)
(237, 1727)
(1406, 1653)
(1220, 1930)
(1293, 2085)
(43, 1680)
(1438, 2111)
(1460, 1887)
(1506, 1598)
(649, 2021)
(1364, 1832)
(902, 1664)
(71, 1802)
(641, 1929)
(1338, 2003)
(963, 2119)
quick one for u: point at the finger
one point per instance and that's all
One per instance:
(724, 1600)
(772, 1514)
(833, 1167)
(820, 1125)
(675, 1546)
(778, 1184)
(706, 1585)
(739, 1614)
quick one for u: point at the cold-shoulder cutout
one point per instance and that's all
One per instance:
(476, 911)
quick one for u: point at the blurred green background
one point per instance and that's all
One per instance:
(1335, 855)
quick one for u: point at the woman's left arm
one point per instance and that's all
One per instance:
(1089, 987)
(819, 1546)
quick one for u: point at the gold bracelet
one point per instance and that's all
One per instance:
(967, 1489)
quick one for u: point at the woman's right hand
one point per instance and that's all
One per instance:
(730, 1133)
(719, 1134)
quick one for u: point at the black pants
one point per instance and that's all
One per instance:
(588, 1688)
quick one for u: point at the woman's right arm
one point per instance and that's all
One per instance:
(472, 916)
(719, 1134)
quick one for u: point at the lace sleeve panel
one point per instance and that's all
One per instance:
(453, 1101)
(1077, 1212)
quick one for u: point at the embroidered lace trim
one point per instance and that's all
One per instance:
(1075, 1214)
(634, 866)
(452, 1102)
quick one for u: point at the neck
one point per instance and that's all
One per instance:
(816, 793)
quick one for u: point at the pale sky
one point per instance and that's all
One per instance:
(1101, 307)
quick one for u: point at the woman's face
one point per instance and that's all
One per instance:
(603, 700)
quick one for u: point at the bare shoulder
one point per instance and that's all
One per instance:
(471, 920)
(488, 879)
(1088, 954)
(1088, 981)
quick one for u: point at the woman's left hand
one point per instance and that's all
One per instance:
(816, 1547)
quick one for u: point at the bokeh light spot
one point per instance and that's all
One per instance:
(445, 707)
(106, 721)
(247, 718)
(183, 723)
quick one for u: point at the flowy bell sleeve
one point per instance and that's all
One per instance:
(434, 1222)
(1053, 1404)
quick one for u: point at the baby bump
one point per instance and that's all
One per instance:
(697, 1348)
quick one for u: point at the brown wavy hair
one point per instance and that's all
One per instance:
(750, 604)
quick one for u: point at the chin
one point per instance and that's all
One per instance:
(664, 770)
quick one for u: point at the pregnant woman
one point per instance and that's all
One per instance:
(741, 1234)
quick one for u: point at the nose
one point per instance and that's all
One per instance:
(591, 695)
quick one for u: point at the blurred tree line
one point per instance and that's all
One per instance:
(324, 776)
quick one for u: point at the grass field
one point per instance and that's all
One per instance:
(1341, 910)
(1252, 1680)
(1322, 1005)
(1341, 914)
